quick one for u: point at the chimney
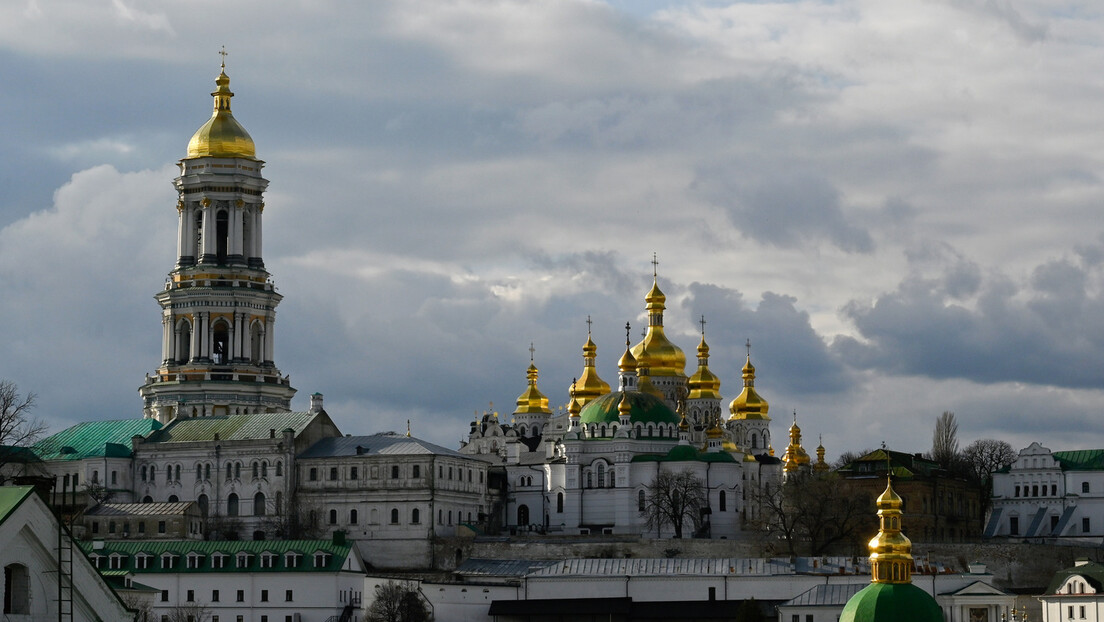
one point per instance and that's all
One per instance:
(1081, 561)
(316, 402)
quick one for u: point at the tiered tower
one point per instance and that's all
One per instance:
(532, 406)
(703, 402)
(750, 423)
(218, 307)
(660, 363)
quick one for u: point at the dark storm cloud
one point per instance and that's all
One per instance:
(986, 329)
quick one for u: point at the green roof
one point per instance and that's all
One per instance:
(1092, 571)
(231, 427)
(899, 602)
(95, 439)
(905, 465)
(207, 548)
(1080, 459)
(11, 497)
(646, 408)
(686, 453)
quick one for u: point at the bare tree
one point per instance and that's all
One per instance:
(813, 513)
(848, 457)
(396, 601)
(17, 428)
(140, 604)
(673, 499)
(986, 455)
(945, 440)
(191, 612)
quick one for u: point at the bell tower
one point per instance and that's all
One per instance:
(218, 307)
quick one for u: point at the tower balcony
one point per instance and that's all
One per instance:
(164, 376)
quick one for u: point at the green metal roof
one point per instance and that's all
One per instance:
(11, 497)
(900, 602)
(207, 548)
(646, 408)
(686, 453)
(1080, 459)
(232, 427)
(95, 439)
(1092, 571)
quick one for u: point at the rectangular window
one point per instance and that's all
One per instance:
(141, 526)
(1085, 525)
(264, 618)
(287, 595)
(240, 619)
(353, 473)
(114, 478)
(313, 474)
(333, 473)
(164, 596)
(191, 596)
(160, 526)
(95, 526)
(1014, 525)
(1082, 612)
(1084, 487)
(394, 472)
(214, 619)
(241, 596)
(214, 596)
(264, 596)
(1071, 612)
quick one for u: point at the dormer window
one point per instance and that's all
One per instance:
(195, 560)
(268, 560)
(292, 559)
(97, 560)
(321, 560)
(244, 560)
(116, 561)
(168, 561)
(218, 560)
(142, 561)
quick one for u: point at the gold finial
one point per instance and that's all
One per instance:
(747, 344)
(407, 428)
(628, 330)
(223, 53)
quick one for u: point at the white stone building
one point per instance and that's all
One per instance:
(393, 495)
(1075, 594)
(244, 581)
(590, 470)
(1045, 494)
(34, 555)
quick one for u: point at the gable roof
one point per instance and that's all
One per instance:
(826, 595)
(11, 497)
(91, 439)
(182, 548)
(232, 427)
(141, 509)
(1092, 571)
(387, 443)
(904, 465)
(1080, 459)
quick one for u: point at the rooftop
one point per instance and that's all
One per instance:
(389, 443)
(95, 439)
(232, 427)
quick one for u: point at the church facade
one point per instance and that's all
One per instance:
(608, 464)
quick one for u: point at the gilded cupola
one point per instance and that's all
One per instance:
(704, 384)
(655, 352)
(820, 466)
(795, 456)
(532, 400)
(221, 136)
(890, 550)
(749, 404)
(589, 385)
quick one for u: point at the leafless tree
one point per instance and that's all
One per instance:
(986, 455)
(397, 601)
(191, 612)
(140, 604)
(18, 428)
(98, 493)
(945, 440)
(813, 513)
(673, 499)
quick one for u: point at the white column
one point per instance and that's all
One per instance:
(233, 230)
(210, 245)
(196, 336)
(236, 350)
(269, 334)
(257, 237)
(166, 338)
(182, 233)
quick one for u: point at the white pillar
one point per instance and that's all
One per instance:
(166, 338)
(233, 230)
(269, 333)
(182, 232)
(196, 336)
(210, 245)
(257, 237)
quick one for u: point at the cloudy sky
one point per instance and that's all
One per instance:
(898, 203)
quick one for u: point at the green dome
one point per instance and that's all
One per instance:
(645, 408)
(891, 602)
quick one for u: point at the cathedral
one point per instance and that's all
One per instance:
(596, 468)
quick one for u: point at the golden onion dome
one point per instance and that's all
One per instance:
(624, 408)
(749, 404)
(655, 351)
(589, 385)
(715, 431)
(627, 362)
(221, 136)
(890, 550)
(729, 446)
(532, 400)
(704, 384)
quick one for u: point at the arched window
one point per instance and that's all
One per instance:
(17, 590)
(352, 517)
(279, 468)
(177, 478)
(222, 230)
(232, 505)
(199, 472)
(450, 517)
(183, 342)
(174, 499)
(522, 515)
(237, 470)
(333, 517)
(601, 475)
(722, 502)
(147, 499)
(256, 470)
(754, 440)
(256, 341)
(394, 516)
(143, 476)
(220, 343)
(640, 501)
(264, 468)
(203, 505)
(259, 504)
(228, 474)
(279, 503)
(207, 471)
(415, 516)
(559, 502)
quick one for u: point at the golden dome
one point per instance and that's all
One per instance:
(221, 136)
(704, 384)
(820, 466)
(532, 400)
(655, 351)
(627, 362)
(589, 385)
(624, 408)
(890, 550)
(795, 456)
(749, 404)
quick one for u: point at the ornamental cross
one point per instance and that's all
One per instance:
(748, 345)
(532, 351)
(628, 328)
(702, 322)
(223, 53)
(655, 264)
(588, 325)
